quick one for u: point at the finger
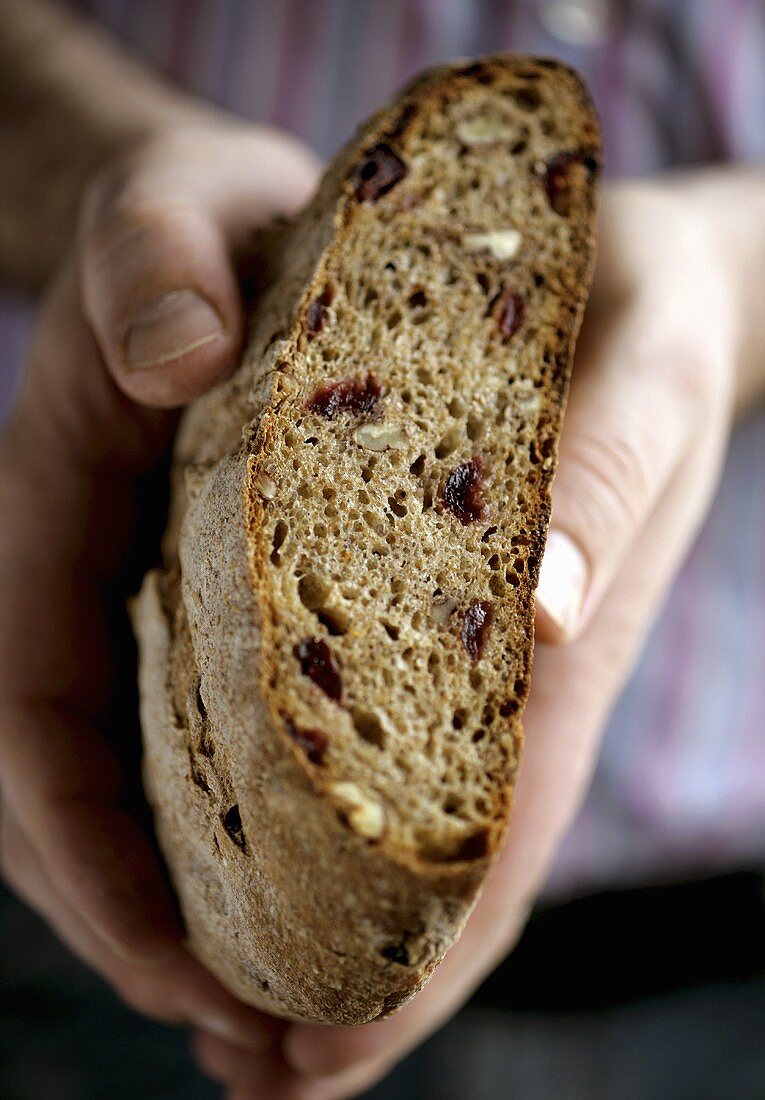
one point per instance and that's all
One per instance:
(57, 770)
(574, 688)
(636, 405)
(64, 786)
(73, 431)
(651, 370)
(176, 991)
(266, 1076)
(156, 244)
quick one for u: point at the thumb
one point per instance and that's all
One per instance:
(637, 404)
(157, 237)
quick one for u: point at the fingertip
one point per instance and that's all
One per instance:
(314, 1051)
(177, 347)
(208, 1053)
(561, 591)
(162, 300)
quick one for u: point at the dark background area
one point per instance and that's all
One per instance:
(653, 994)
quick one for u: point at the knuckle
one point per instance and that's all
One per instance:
(133, 227)
(128, 207)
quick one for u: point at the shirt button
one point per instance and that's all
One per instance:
(578, 22)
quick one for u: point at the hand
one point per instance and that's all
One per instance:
(145, 315)
(645, 432)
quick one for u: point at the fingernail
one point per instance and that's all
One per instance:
(174, 325)
(562, 582)
(248, 1038)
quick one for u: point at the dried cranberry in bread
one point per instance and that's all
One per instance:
(336, 654)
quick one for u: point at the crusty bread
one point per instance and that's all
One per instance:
(335, 658)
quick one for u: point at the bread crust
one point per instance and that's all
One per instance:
(295, 911)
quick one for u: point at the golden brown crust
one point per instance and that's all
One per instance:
(311, 897)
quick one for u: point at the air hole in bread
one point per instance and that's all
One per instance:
(458, 719)
(201, 708)
(198, 776)
(453, 803)
(528, 99)
(396, 953)
(474, 427)
(280, 534)
(232, 823)
(448, 443)
(313, 591)
(368, 726)
(336, 622)
(475, 846)
(484, 282)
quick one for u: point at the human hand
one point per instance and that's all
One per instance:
(645, 432)
(145, 315)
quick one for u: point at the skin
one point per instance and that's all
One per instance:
(163, 199)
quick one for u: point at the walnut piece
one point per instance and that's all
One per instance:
(442, 608)
(483, 130)
(266, 485)
(363, 813)
(503, 244)
(380, 437)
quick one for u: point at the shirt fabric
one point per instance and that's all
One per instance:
(680, 783)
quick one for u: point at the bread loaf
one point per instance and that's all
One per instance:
(336, 653)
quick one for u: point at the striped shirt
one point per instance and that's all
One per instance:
(680, 781)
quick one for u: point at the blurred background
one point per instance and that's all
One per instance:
(642, 974)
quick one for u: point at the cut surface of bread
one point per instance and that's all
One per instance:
(335, 658)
